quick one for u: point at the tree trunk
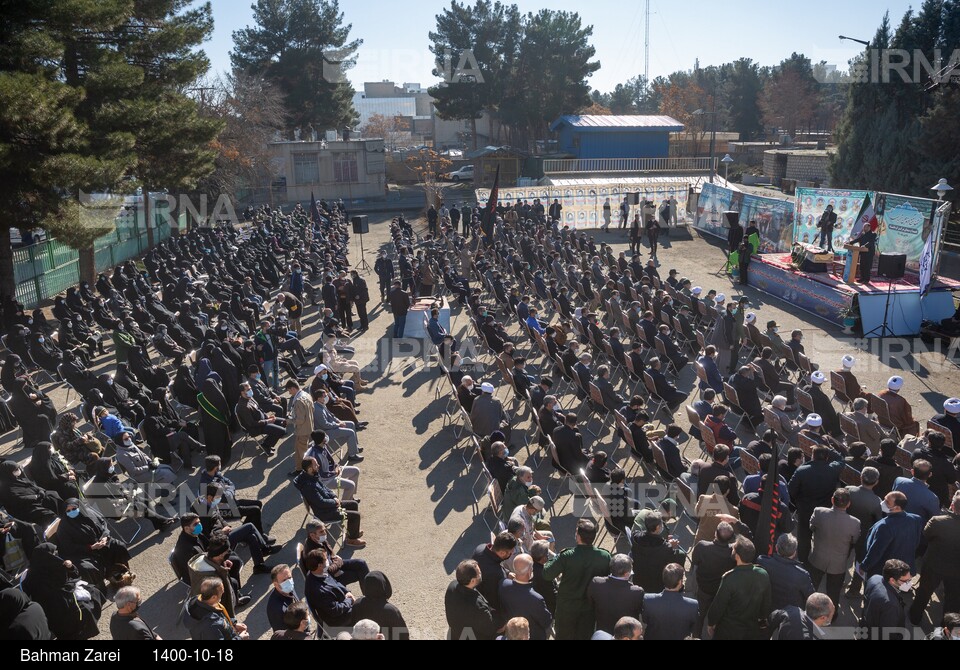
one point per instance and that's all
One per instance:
(147, 214)
(473, 131)
(8, 282)
(87, 265)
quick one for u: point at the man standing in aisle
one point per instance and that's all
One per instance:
(301, 416)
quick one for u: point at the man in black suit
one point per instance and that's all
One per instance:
(569, 442)
(649, 327)
(746, 386)
(712, 560)
(812, 486)
(636, 358)
(583, 375)
(671, 451)
(329, 600)
(490, 558)
(772, 380)
(790, 582)
(540, 392)
(616, 346)
(720, 467)
(669, 615)
(518, 598)
(550, 418)
(615, 597)
(677, 357)
(521, 380)
(611, 399)
(665, 390)
(255, 422)
(652, 552)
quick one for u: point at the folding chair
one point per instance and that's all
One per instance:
(734, 401)
(839, 388)
(659, 403)
(597, 407)
(947, 434)
(662, 353)
(850, 476)
(696, 423)
(555, 461)
(749, 462)
(879, 407)
(70, 389)
(495, 500)
(807, 445)
(805, 400)
(849, 427)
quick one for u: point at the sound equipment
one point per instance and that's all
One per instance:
(361, 225)
(635, 199)
(893, 266)
(732, 218)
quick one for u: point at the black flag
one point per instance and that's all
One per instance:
(490, 211)
(765, 534)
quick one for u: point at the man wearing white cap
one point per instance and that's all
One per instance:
(851, 386)
(901, 414)
(950, 419)
(823, 406)
(487, 414)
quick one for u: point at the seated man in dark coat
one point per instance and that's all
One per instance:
(665, 390)
(747, 388)
(569, 442)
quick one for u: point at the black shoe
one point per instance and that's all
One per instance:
(243, 601)
(262, 569)
(269, 539)
(163, 525)
(270, 551)
(363, 424)
(355, 459)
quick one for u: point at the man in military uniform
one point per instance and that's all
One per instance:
(578, 567)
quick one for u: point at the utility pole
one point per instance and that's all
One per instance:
(646, 52)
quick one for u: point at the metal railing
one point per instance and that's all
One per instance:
(621, 165)
(49, 268)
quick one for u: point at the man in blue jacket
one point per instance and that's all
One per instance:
(895, 537)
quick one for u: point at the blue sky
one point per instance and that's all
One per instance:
(395, 33)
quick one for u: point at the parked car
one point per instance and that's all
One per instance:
(463, 174)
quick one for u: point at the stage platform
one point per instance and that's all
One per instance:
(827, 296)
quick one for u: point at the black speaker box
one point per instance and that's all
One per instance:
(893, 266)
(361, 225)
(732, 218)
(635, 199)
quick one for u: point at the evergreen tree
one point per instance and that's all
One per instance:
(304, 48)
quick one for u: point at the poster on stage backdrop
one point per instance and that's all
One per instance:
(583, 205)
(902, 225)
(813, 202)
(774, 218)
(714, 201)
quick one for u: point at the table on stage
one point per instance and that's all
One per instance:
(419, 314)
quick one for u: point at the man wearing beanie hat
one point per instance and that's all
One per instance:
(823, 406)
(950, 419)
(852, 387)
(901, 414)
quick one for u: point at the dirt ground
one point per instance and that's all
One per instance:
(418, 510)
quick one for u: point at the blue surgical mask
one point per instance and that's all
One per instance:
(257, 377)
(111, 470)
(249, 394)
(324, 377)
(216, 502)
(198, 529)
(287, 586)
(73, 514)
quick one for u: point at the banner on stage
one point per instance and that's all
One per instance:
(774, 217)
(714, 201)
(583, 205)
(811, 205)
(902, 224)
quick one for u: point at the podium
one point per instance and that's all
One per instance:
(852, 271)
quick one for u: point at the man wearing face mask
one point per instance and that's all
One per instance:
(895, 537)
(126, 624)
(326, 506)
(261, 546)
(192, 542)
(256, 422)
(267, 400)
(347, 571)
(884, 611)
(282, 597)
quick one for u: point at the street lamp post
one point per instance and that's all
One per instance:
(727, 160)
(854, 39)
(941, 189)
(713, 138)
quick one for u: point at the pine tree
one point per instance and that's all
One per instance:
(304, 48)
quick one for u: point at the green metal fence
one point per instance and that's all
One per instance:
(46, 269)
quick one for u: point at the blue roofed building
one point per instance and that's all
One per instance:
(590, 137)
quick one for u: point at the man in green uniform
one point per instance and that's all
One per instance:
(740, 610)
(577, 567)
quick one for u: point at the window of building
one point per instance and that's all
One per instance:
(345, 169)
(306, 169)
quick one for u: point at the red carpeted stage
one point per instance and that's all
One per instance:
(829, 297)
